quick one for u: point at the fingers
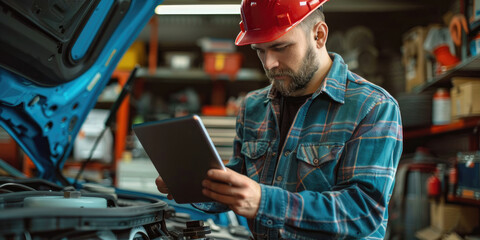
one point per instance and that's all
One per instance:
(220, 188)
(228, 200)
(163, 189)
(237, 191)
(225, 192)
(161, 186)
(159, 181)
(228, 177)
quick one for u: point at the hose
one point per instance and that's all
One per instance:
(457, 24)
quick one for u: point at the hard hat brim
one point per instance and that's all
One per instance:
(260, 36)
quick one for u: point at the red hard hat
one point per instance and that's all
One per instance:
(267, 20)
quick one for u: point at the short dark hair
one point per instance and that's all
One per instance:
(312, 19)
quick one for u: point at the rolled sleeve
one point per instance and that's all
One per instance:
(271, 212)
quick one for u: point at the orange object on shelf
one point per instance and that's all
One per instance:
(214, 110)
(153, 45)
(457, 125)
(445, 57)
(217, 64)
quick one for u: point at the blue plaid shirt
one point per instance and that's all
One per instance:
(334, 176)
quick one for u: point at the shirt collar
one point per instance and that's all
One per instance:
(335, 81)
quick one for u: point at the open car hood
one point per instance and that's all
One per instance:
(56, 57)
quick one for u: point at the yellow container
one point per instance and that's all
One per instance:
(134, 55)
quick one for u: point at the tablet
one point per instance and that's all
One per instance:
(182, 152)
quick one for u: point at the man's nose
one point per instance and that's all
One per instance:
(270, 61)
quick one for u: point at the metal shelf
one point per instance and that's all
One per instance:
(222, 133)
(460, 200)
(458, 125)
(470, 67)
(198, 74)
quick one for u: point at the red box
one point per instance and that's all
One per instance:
(214, 111)
(217, 64)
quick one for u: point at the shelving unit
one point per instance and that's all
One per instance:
(197, 74)
(458, 125)
(454, 199)
(467, 68)
(222, 133)
(470, 67)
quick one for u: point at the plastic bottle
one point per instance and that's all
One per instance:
(441, 107)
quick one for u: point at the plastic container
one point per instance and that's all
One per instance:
(468, 175)
(227, 64)
(441, 110)
(444, 56)
(214, 110)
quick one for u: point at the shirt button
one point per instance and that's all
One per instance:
(315, 161)
(269, 222)
(279, 178)
(287, 153)
(274, 154)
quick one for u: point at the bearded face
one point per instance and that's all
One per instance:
(287, 81)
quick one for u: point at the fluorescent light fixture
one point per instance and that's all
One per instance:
(198, 9)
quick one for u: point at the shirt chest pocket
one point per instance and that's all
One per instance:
(316, 165)
(255, 154)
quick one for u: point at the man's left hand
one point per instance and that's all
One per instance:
(239, 192)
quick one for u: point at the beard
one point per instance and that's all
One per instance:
(299, 79)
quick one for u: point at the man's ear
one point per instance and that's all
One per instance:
(320, 34)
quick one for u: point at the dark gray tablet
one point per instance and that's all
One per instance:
(182, 153)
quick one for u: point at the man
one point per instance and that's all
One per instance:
(316, 152)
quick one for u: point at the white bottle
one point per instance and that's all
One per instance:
(441, 114)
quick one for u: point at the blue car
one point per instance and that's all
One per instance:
(56, 57)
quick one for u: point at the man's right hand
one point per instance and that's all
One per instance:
(162, 187)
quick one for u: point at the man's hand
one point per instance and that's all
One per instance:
(239, 192)
(162, 187)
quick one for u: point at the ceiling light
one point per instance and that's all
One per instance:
(198, 9)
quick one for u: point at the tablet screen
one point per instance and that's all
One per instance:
(182, 152)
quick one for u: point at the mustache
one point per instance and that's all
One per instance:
(279, 72)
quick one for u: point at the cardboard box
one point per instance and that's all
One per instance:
(414, 57)
(465, 97)
(429, 233)
(447, 217)
(432, 233)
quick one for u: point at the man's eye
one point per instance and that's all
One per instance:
(279, 49)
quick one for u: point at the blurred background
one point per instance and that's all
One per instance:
(424, 52)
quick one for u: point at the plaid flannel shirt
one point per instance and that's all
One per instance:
(334, 176)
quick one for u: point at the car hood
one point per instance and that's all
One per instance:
(56, 57)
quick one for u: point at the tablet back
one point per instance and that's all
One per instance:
(182, 152)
